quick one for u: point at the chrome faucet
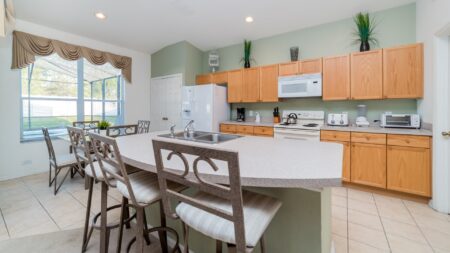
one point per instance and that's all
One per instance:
(189, 129)
(172, 131)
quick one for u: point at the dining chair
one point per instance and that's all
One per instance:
(143, 126)
(58, 163)
(121, 130)
(82, 148)
(89, 125)
(223, 212)
(141, 188)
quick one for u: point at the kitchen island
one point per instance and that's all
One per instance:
(299, 173)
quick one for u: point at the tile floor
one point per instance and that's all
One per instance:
(362, 222)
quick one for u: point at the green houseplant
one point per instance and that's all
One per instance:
(365, 26)
(247, 52)
(103, 125)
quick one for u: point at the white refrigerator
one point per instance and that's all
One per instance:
(206, 105)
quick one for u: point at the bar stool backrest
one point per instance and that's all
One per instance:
(143, 126)
(48, 142)
(90, 125)
(121, 130)
(192, 179)
(82, 148)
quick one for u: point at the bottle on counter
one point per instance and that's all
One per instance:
(258, 117)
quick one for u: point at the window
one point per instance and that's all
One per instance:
(56, 92)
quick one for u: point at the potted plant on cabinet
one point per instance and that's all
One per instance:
(247, 52)
(365, 26)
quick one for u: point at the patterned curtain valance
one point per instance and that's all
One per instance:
(27, 46)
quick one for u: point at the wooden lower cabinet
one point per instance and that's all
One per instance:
(228, 128)
(346, 160)
(368, 164)
(264, 131)
(409, 170)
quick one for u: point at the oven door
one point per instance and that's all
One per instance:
(297, 134)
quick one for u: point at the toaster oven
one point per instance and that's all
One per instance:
(400, 120)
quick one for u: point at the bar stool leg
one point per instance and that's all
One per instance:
(126, 214)
(139, 230)
(122, 219)
(103, 219)
(263, 244)
(163, 234)
(218, 246)
(146, 236)
(88, 214)
(186, 237)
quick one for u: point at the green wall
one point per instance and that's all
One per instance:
(181, 57)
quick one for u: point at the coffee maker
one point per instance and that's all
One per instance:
(240, 114)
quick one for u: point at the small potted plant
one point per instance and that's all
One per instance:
(365, 26)
(247, 52)
(103, 125)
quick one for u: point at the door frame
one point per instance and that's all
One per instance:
(441, 121)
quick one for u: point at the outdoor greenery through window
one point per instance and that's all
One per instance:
(56, 92)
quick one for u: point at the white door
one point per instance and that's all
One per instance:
(165, 102)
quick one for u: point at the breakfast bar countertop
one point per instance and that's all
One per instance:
(264, 162)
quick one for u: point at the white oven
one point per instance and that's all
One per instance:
(309, 85)
(297, 134)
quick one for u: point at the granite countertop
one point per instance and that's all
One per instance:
(249, 123)
(264, 162)
(378, 129)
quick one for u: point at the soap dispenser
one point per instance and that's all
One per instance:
(258, 118)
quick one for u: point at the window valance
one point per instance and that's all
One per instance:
(27, 46)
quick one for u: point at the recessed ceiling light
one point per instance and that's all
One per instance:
(100, 15)
(249, 19)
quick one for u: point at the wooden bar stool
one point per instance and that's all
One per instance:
(225, 213)
(141, 188)
(83, 150)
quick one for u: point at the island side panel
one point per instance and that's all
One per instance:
(302, 225)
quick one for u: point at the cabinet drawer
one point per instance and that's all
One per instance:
(227, 128)
(334, 136)
(369, 138)
(263, 131)
(408, 141)
(241, 129)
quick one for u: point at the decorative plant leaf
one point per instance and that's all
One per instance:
(247, 51)
(365, 28)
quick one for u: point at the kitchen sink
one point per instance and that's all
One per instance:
(205, 137)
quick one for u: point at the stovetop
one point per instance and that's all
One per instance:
(301, 125)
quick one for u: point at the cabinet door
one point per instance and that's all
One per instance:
(251, 85)
(336, 78)
(269, 83)
(245, 130)
(367, 75)
(346, 160)
(235, 86)
(409, 170)
(368, 164)
(203, 79)
(310, 66)
(403, 71)
(226, 128)
(219, 77)
(288, 69)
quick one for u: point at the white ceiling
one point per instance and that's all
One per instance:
(148, 25)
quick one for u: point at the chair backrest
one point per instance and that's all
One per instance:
(90, 125)
(121, 130)
(82, 148)
(110, 162)
(192, 179)
(143, 126)
(48, 142)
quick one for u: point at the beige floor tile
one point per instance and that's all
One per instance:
(339, 212)
(400, 244)
(340, 244)
(360, 195)
(362, 206)
(367, 220)
(358, 247)
(29, 222)
(368, 236)
(395, 211)
(339, 227)
(396, 228)
(433, 223)
(437, 239)
(440, 250)
(3, 230)
(339, 191)
(420, 209)
(339, 201)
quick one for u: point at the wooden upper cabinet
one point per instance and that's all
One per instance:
(367, 75)
(288, 68)
(268, 82)
(219, 77)
(336, 78)
(403, 71)
(235, 78)
(251, 85)
(311, 66)
(203, 79)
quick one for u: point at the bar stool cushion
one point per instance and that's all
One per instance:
(65, 160)
(145, 187)
(99, 174)
(258, 212)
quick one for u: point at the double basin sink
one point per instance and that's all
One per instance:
(205, 137)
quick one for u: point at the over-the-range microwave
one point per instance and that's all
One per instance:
(308, 85)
